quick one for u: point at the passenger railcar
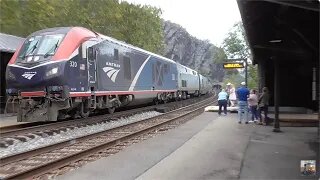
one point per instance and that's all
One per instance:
(74, 71)
(188, 81)
(205, 85)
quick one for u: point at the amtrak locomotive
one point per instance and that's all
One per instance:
(74, 71)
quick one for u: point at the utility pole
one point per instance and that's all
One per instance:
(246, 71)
(276, 126)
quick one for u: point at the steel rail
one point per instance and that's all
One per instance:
(73, 157)
(27, 128)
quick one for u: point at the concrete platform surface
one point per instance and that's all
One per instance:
(9, 120)
(210, 147)
(214, 153)
(216, 109)
(297, 117)
(138, 158)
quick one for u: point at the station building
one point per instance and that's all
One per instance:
(8, 45)
(284, 40)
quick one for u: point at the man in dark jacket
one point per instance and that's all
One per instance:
(242, 95)
(263, 105)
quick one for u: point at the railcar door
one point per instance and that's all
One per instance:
(92, 67)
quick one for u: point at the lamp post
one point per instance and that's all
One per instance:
(246, 72)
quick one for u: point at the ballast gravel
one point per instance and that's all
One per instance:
(39, 141)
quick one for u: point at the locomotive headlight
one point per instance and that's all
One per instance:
(53, 71)
(11, 91)
(54, 88)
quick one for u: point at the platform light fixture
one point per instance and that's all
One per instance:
(275, 41)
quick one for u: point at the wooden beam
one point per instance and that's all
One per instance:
(312, 6)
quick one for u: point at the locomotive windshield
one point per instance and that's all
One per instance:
(49, 44)
(40, 45)
(29, 46)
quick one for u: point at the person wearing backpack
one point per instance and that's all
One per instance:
(263, 106)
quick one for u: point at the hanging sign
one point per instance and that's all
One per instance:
(232, 65)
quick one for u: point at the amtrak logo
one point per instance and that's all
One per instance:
(28, 75)
(111, 73)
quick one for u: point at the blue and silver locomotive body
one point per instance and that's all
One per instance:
(74, 71)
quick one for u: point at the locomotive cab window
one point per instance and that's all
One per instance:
(91, 54)
(39, 45)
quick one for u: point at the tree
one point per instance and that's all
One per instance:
(236, 47)
(135, 24)
(10, 15)
(252, 76)
(235, 44)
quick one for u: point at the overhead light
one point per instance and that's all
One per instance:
(275, 41)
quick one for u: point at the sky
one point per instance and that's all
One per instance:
(204, 19)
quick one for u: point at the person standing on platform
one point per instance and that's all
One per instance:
(232, 96)
(222, 101)
(228, 90)
(242, 95)
(263, 105)
(253, 104)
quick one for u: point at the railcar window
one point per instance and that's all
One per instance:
(127, 68)
(116, 54)
(184, 83)
(166, 68)
(157, 73)
(153, 73)
(91, 54)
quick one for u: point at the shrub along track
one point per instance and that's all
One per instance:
(46, 159)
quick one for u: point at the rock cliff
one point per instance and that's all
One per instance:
(187, 50)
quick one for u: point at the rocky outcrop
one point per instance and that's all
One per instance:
(190, 51)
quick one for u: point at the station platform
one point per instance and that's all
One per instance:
(287, 119)
(210, 147)
(298, 120)
(9, 120)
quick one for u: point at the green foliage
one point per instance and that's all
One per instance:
(10, 15)
(236, 46)
(234, 79)
(142, 28)
(219, 56)
(135, 24)
(252, 76)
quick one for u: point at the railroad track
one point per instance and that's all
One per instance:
(47, 128)
(42, 160)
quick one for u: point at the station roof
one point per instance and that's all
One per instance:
(288, 29)
(9, 43)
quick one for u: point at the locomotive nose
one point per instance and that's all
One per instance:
(41, 76)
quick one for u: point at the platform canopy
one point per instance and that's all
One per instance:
(9, 43)
(285, 34)
(289, 28)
